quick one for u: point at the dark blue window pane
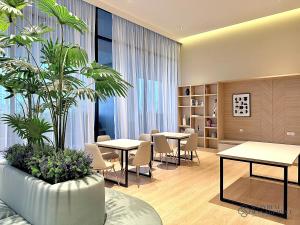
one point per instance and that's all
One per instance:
(105, 52)
(104, 24)
(106, 117)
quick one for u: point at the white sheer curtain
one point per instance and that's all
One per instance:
(80, 127)
(150, 62)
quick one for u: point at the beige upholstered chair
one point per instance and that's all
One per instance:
(162, 147)
(191, 145)
(187, 131)
(183, 143)
(145, 137)
(155, 131)
(98, 163)
(107, 154)
(142, 157)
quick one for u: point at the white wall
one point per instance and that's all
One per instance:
(266, 47)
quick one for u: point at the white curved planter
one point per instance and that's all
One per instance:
(76, 202)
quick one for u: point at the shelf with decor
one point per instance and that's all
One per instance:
(198, 109)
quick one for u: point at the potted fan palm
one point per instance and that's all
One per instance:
(50, 83)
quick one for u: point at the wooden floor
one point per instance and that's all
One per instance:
(189, 194)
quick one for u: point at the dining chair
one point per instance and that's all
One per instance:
(191, 145)
(155, 131)
(98, 163)
(187, 131)
(162, 147)
(145, 137)
(141, 158)
(108, 154)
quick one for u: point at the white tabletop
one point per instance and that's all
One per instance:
(278, 154)
(172, 135)
(120, 144)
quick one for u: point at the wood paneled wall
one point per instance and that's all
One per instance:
(275, 110)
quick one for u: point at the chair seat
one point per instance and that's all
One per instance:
(109, 165)
(110, 156)
(183, 143)
(132, 153)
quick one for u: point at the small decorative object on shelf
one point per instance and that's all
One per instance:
(213, 125)
(193, 102)
(215, 109)
(208, 122)
(184, 120)
(241, 105)
(196, 103)
(214, 134)
(187, 91)
(202, 104)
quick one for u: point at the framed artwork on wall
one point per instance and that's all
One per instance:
(241, 105)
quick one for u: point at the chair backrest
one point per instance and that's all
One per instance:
(143, 154)
(192, 143)
(155, 131)
(161, 144)
(189, 131)
(93, 151)
(104, 138)
(145, 137)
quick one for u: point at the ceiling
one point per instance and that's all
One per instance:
(179, 19)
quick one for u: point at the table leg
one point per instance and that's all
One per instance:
(122, 159)
(152, 152)
(285, 197)
(250, 169)
(191, 155)
(299, 170)
(221, 179)
(283, 214)
(126, 168)
(178, 154)
(150, 164)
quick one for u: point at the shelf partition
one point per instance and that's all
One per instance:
(199, 105)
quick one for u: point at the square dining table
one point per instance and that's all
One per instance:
(174, 136)
(270, 154)
(124, 146)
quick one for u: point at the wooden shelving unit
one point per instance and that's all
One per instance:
(199, 106)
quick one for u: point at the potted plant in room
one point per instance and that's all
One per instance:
(51, 83)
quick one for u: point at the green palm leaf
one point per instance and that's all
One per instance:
(4, 22)
(62, 14)
(33, 129)
(36, 31)
(75, 56)
(108, 82)
(9, 11)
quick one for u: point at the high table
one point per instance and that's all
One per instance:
(277, 155)
(125, 146)
(175, 136)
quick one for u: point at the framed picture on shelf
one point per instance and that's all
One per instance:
(241, 105)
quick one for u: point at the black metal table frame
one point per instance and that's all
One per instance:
(126, 165)
(178, 150)
(285, 181)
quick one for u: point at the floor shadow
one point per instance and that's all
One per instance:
(265, 194)
(132, 178)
